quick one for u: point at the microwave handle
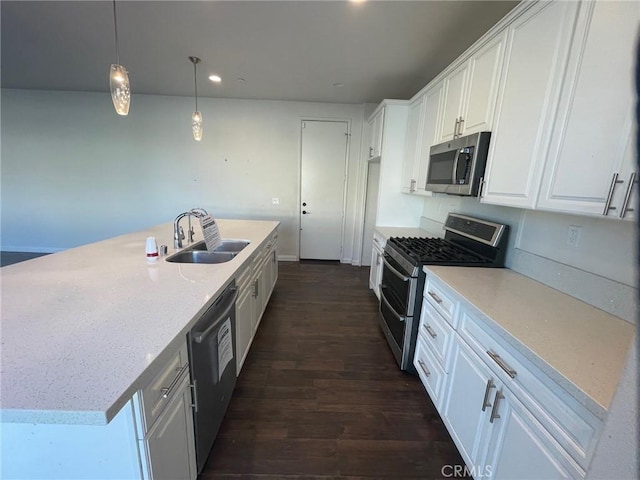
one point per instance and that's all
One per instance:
(454, 180)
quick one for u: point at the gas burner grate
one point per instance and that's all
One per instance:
(435, 251)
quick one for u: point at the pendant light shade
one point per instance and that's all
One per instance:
(120, 90)
(196, 117)
(118, 77)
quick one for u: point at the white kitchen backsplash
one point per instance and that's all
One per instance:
(599, 269)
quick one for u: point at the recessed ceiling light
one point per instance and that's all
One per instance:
(338, 84)
(215, 78)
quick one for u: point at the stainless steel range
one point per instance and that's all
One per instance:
(468, 242)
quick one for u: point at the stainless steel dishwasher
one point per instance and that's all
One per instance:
(212, 352)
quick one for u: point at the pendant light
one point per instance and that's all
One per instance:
(196, 118)
(118, 77)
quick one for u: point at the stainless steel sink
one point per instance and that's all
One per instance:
(226, 246)
(197, 253)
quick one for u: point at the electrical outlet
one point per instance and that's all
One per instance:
(275, 201)
(573, 235)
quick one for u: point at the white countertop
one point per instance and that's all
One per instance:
(81, 327)
(582, 348)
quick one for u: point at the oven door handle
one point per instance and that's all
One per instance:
(394, 271)
(386, 302)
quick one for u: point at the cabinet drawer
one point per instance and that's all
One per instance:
(570, 423)
(430, 372)
(155, 397)
(379, 241)
(437, 332)
(442, 299)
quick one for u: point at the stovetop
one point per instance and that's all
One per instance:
(435, 251)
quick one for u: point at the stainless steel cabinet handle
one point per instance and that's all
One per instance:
(435, 297)
(460, 124)
(480, 186)
(494, 410)
(402, 277)
(455, 129)
(370, 152)
(424, 368)
(485, 402)
(496, 358)
(166, 391)
(430, 331)
(607, 205)
(274, 257)
(412, 188)
(627, 195)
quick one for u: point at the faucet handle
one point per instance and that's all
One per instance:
(181, 234)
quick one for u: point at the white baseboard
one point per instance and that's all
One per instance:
(287, 258)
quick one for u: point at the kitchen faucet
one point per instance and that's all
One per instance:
(178, 232)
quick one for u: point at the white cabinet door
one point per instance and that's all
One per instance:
(431, 99)
(592, 133)
(485, 67)
(412, 145)
(376, 126)
(521, 448)
(170, 442)
(244, 325)
(467, 405)
(535, 61)
(452, 105)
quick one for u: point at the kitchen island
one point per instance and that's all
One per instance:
(83, 331)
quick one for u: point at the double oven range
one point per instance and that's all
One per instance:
(468, 242)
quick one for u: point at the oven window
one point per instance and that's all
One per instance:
(396, 287)
(441, 167)
(389, 313)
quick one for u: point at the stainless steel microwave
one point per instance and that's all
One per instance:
(456, 167)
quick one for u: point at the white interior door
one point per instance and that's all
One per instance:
(322, 186)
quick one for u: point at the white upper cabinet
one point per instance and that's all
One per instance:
(421, 134)
(537, 47)
(590, 161)
(470, 92)
(412, 145)
(376, 124)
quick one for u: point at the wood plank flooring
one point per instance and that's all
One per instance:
(320, 395)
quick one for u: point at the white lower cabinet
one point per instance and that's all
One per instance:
(255, 285)
(507, 419)
(375, 274)
(169, 445)
(520, 447)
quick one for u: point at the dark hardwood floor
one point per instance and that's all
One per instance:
(320, 395)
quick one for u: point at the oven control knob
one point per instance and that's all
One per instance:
(304, 212)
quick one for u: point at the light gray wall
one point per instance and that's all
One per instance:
(74, 172)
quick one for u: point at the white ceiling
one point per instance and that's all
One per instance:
(284, 50)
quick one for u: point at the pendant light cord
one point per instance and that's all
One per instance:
(115, 28)
(195, 83)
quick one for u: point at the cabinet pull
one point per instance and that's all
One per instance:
(274, 257)
(166, 391)
(255, 288)
(430, 331)
(487, 391)
(370, 152)
(460, 123)
(435, 297)
(627, 195)
(496, 358)
(607, 205)
(424, 368)
(494, 410)
(480, 186)
(412, 188)
(455, 129)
